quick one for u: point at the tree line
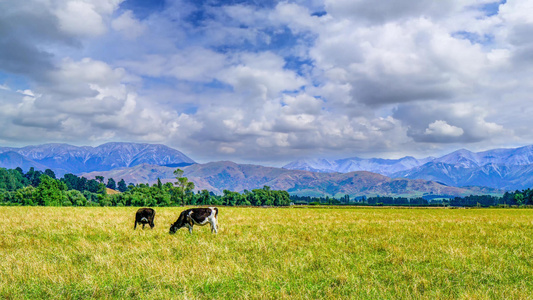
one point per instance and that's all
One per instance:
(43, 188)
(516, 198)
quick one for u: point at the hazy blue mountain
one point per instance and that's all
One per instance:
(498, 168)
(67, 158)
(353, 164)
(12, 160)
(510, 157)
(508, 169)
(508, 177)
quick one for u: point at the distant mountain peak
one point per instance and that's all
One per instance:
(352, 164)
(108, 156)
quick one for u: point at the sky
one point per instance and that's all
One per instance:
(269, 82)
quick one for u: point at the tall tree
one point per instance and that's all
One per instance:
(50, 173)
(111, 184)
(183, 187)
(34, 177)
(122, 186)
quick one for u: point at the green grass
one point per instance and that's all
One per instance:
(275, 253)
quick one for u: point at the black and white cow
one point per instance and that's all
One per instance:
(145, 216)
(196, 216)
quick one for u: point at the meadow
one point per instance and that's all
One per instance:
(268, 253)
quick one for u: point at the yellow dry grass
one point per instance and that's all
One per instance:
(112, 191)
(276, 253)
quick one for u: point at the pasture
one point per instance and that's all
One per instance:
(274, 253)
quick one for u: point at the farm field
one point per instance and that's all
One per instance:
(274, 253)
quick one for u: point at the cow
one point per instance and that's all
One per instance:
(144, 216)
(196, 216)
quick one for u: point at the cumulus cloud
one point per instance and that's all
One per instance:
(261, 75)
(440, 129)
(447, 123)
(80, 18)
(268, 82)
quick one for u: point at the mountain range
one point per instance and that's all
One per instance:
(64, 158)
(507, 169)
(459, 173)
(382, 166)
(226, 175)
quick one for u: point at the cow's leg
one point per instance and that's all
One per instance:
(143, 225)
(190, 227)
(135, 226)
(152, 225)
(213, 223)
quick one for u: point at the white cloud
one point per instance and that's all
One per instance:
(268, 82)
(128, 25)
(440, 128)
(430, 122)
(261, 75)
(85, 18)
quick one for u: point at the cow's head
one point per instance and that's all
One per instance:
(177, 225)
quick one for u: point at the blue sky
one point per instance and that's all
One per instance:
(268, 82)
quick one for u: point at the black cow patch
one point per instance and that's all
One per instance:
(144, 216)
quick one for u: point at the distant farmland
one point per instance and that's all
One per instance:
(296, 253)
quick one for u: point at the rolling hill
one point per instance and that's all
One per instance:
(224, 175)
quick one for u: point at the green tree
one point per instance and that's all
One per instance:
(76, 198)
(204, 198)
(183, 187)
(34, 177)
(122, 186)
(100, 179)
(268, 194)
(11, 180)
(232, 198)
(49, 192)
(111, 184)
(50, 173)
(25, 196)
(93, 186)
(519, 198)
(102, 190)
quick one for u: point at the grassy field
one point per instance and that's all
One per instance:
(290, 253)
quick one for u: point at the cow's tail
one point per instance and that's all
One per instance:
(216, 212)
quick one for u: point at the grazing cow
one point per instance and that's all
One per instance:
(144, 216)
(196, 216)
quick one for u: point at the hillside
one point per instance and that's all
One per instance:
(219, 176)
(13, 160)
